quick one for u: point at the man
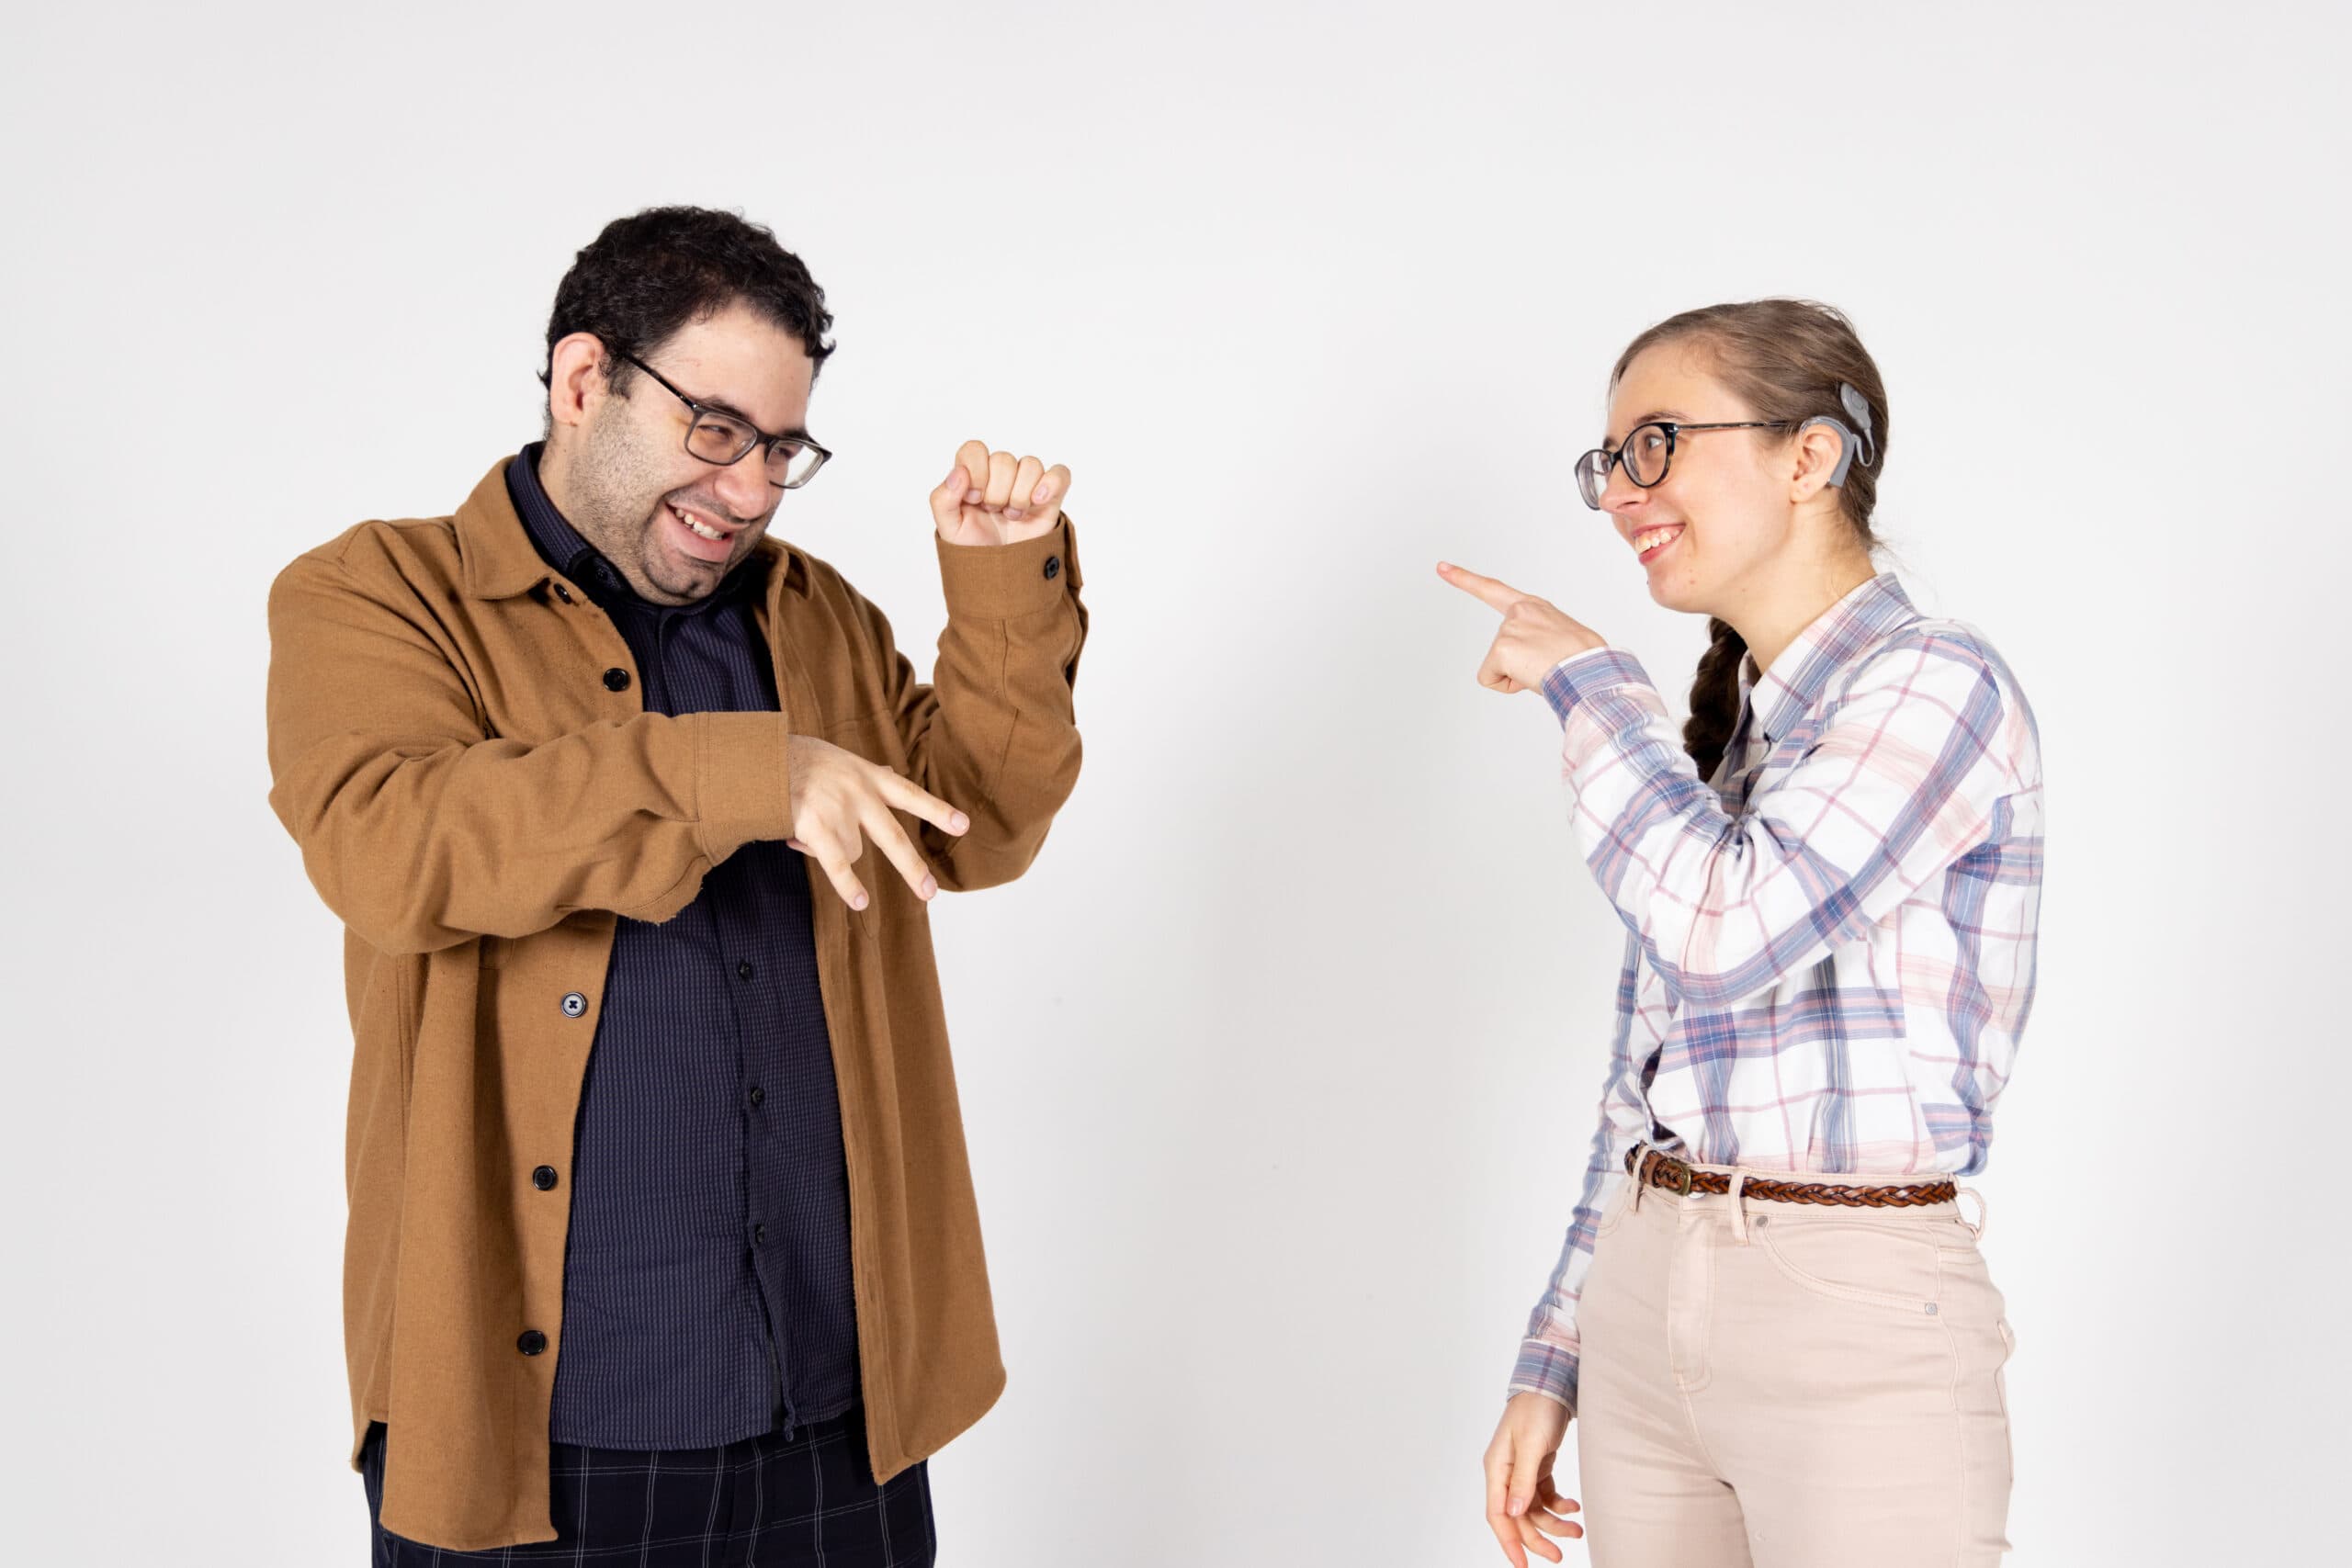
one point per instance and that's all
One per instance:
(661, 1230)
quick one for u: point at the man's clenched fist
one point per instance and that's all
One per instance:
(994, 498)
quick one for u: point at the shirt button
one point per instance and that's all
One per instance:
(531, 1342)
(544, 1177)
(758, 1095)
(743, 968)
(574, 1004)
(617, 679)
(1053, 567)
(759, 1235)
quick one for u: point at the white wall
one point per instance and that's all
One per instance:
(1280, 1065)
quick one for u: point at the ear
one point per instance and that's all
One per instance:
(575, 377)
(1818, 449)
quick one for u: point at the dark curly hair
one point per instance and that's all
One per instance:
(648, 274)
(1784, 358)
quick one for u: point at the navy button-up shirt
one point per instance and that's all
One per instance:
(707, 1287)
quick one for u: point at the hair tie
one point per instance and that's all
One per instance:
(1859, 407)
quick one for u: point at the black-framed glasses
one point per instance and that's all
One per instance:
(721, 438)
(1646, 451)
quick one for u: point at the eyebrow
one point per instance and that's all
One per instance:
(720, 405)
(1653, 413)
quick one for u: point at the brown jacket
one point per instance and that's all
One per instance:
(478, 807)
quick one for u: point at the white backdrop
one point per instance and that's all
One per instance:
(1279, 1067)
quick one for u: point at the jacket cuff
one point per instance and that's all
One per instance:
(1004, 582)
(1580, 675)
(742, 781)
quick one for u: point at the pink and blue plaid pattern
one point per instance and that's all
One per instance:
(1830, 947)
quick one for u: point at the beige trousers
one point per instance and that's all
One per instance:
(1789, 1385)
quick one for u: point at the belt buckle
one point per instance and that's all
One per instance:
(1677, 1180)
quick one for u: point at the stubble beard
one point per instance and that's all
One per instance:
(619, 504)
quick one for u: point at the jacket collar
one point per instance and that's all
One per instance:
(1787, 691)
(499, 561)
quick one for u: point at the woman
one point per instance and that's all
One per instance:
(1770, 1312)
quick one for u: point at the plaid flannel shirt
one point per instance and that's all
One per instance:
(1830, 945)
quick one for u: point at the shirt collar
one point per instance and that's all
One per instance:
(552, 535)
(1787, 691)
(560, 545)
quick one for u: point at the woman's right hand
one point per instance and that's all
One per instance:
(1523, 1504)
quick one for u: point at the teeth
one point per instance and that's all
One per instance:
(1648, 537)
(697, 524)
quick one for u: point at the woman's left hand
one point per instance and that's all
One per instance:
(1534, 636)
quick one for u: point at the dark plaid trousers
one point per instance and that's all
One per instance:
(762, 1503)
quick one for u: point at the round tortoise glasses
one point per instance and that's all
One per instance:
(1645, 452)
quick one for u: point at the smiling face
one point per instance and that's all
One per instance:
(1722, 522)
(617, 467)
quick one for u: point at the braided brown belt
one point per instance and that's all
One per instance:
(1663, 1170)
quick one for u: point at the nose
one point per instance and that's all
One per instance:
(1621, 493)
(744, 486)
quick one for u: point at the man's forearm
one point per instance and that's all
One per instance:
(420, 832)
(999, 731)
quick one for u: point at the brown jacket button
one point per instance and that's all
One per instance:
(544, 1177)
(574, 1004)
(531, 1342)
(617, 679)
(1053, 567)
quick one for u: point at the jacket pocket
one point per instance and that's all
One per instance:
(872, 736)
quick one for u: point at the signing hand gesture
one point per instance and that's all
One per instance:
(840, 800)
(994, 498)
(1534, 635)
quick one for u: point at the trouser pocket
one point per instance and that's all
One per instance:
(1853, 1260)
